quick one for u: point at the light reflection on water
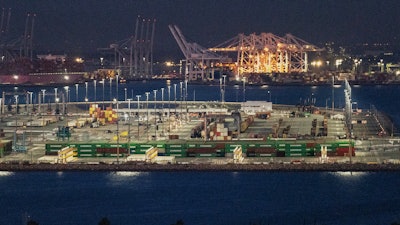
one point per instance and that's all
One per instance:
(350, 174)
(121, 177)
(6, 173)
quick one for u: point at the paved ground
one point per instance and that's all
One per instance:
(370, 146)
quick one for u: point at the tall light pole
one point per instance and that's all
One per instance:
(175, 97)
(180, 103)
(126, 94)
(66, 92)
(186, 95)
(86, 90)
(223, 91)
(269, 94)
(244, 89)
(129, 121)
(117, 136)
(30, 98)
(138, 116)
(103, 81)
(155, 114)
(116, 81)
(43, 94)
(162, 111)
(111, 89)
(76, 92)
(169, 108)
(147, 117)
(55, 94)
(67, 98)
(95, 90)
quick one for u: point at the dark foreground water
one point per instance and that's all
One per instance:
(200, 197)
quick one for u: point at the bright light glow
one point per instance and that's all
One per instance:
(79, 60)
(338, 62)
(127, 173)
(316, 63)
(169, 63)
(66, 77)
(16, 77)
(349, 174)
(5, 173)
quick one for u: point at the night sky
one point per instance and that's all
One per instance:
(82, 26)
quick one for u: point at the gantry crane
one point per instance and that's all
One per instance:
(199, 61)
(268, 53)
(133, 56)
(263, 53)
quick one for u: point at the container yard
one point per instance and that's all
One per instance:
(283, 134)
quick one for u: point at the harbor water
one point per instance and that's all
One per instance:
(83, 198)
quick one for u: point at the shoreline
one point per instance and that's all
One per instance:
(356, 167)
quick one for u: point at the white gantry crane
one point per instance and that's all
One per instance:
(200, 63)
(255, 54)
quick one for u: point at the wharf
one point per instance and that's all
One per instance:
(294, 124)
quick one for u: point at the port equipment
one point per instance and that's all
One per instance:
(66, 155)
(199, 62)
(267, 53)
(151, 154)
(255, 53)
(238, 155)
(133, 56)
(251, 148)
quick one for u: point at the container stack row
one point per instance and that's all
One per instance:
(270, 148)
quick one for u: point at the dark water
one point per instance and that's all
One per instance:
(200, 198)
(208, 198)
(381, 96)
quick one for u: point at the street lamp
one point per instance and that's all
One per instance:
(180, 103)
(244, 89)
(55, 94)
(66, 92)
(223, 91)
(86, 90)
(44, 93)
(269, 93)
(155, 114)
(76, 92)
(30, 98)
(186, 95)
(162, 111)
(220, 88)
(117, 87)
(126, 94)
(129, 121)
(138, 117)
(169, 108)
(102, 81)
(175, 97)
(95, 90)
(147, 117)
(110, 88)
